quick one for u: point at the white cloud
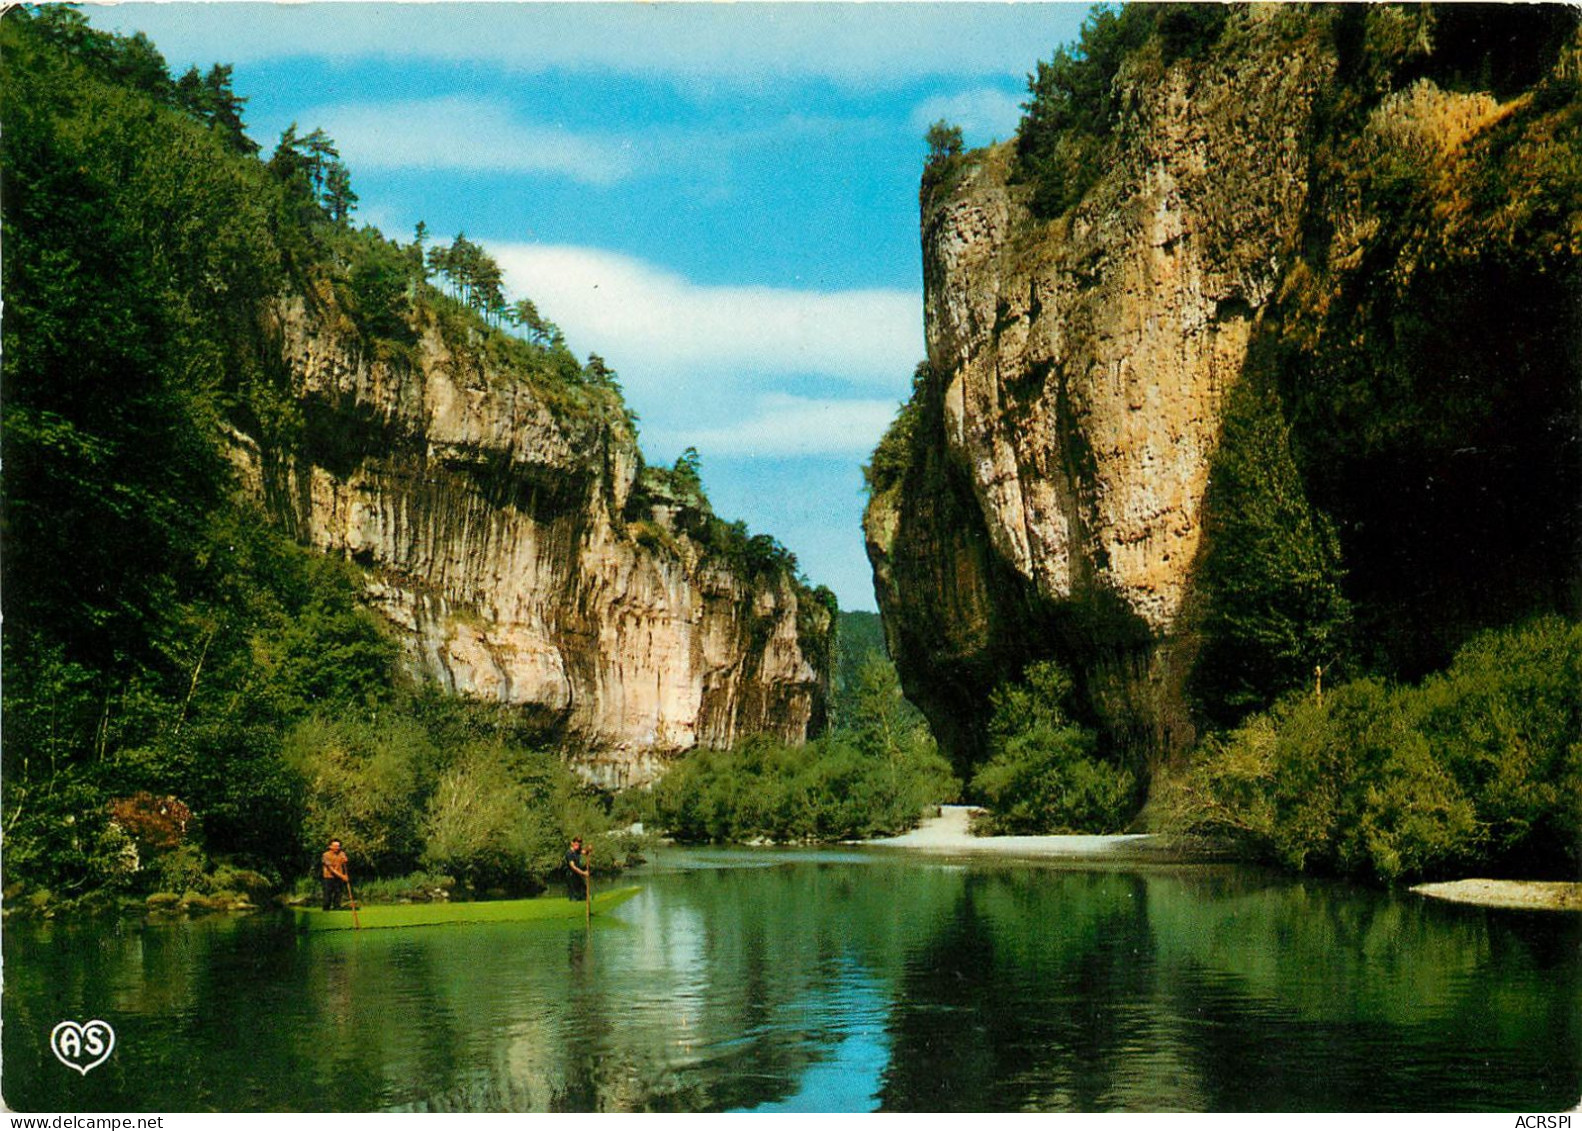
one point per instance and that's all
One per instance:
(869, 43)
(666, 334)
(784, 425)
(461, 134)
(982, 113)
(466, 134)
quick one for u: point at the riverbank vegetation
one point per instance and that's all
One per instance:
(874, 774)
(193, 703)
(1044, 773)
(1478, 766)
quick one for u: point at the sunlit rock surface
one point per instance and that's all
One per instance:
(1053, 502)
(494, 529)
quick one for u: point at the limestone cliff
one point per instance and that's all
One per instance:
(506, 533)
(1051, 488)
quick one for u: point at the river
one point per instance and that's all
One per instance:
(846, 980)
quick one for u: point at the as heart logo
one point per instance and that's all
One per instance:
(82, 1046)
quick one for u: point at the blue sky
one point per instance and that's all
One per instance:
(720, 199)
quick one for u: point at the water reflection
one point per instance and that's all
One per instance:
(830, 981)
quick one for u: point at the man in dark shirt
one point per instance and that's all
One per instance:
(576, 871)
(333, 871)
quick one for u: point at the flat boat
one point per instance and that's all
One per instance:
(377, 915)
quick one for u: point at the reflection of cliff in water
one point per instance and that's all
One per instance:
(1027, 1002)
(831, 981)
(1212, 991)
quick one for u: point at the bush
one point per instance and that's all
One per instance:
(1044, 781)
(1042, 776)
(155, 823)
(415, 887)
(482, 825)
(1480, 765)
(381, 276)
(227, 877)
(893, 455)
(1506, 721)
(1356, 791)
(363, 783)
(181, 870)
(840, 787)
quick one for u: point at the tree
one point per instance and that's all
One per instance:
(488, 286)
(1073, 107)
(944, 141)
(474, 277)
(1043, 774)
(1272, 569)
(210, 99)
(689, 469)
(596, 372)
(381, 281)
(339, 199)
(139, 64)
(540, 330)
(311, 167)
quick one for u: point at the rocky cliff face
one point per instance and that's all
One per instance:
(504, 536)
(1061, 444)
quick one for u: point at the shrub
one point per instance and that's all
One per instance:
(1481, 764)
(1042, 776)
(944, 141)
(227, 877)
(1045, 780)
(415, 887)
(482, 824)
(362, 783)
(181, 870)
(893, 455)
(1506, 721)
(115, 860)
(840, 787)
(153, 822)
(1356, 791)
(381, 276)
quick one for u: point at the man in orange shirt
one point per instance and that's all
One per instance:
(336, 880)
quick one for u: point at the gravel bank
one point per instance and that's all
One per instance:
(1534, 895)
(948, 834)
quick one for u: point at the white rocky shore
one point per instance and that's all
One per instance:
(950, 833)
(1525, 895)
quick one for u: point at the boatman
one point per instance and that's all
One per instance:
(333, 870)
(576, 871)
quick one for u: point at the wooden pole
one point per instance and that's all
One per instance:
(587, 887)
(350, 898)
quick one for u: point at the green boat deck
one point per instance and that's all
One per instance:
(379, 915)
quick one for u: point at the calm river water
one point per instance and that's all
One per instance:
(829, 981)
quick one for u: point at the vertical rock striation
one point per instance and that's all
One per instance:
(505, 534)
(1060, 445)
